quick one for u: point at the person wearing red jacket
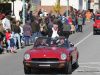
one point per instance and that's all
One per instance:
(7, 37)
(69, 19)
(2, 16)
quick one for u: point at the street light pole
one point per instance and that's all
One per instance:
(93, 8)
(84, 4)
(23, 12)
(67, 7)
(13, 9)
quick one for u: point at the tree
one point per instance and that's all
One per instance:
(57, 7)
(1, 1)
(6, 1)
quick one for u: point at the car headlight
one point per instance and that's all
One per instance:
(63, 56)
(27, 56)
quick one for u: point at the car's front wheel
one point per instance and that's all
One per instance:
(68, 68)
(75, 65)
(27, 70)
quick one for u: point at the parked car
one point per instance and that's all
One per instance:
(51, 53)
(96, 25)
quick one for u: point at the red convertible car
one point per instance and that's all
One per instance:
(96, 25)
(51, 53)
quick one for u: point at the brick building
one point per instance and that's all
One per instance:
(77, 4)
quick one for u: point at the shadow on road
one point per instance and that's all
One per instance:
(50, 71)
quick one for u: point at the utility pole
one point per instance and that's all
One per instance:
(84, 4)
(23, 12)
(93, 8)
(67, 7)
(13, 9)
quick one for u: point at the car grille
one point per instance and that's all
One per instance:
(45, 59)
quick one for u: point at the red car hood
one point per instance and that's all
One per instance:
(46, 52)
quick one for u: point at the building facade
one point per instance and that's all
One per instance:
(77, 4)
(94, 5)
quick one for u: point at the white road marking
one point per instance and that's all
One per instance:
(90, 67)
(91, 63)
(85, 71)
(84, 39)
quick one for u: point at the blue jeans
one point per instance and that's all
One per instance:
(8, 42)
(27, 40)
(39, 33)
(33, 37)
(17, 37)
(30, 21)
(76, 27)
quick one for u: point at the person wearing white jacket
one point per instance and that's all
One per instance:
(6, 23)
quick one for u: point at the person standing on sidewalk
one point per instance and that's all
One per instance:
(17, 35)
(12, 43)
(6, 23)
(8, 41)
(80, 19)
(39, 32)
(34, 27)
(50, 25)
(76, 22)
(27, 32)
(66, 29)
(72, 28)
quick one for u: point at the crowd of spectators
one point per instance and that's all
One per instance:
(44, 24)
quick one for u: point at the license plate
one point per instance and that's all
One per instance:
(44, 64)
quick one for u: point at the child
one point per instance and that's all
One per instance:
(12, 43)
(72, 28)
(7, 38)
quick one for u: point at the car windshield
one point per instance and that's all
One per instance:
(98, 17)
(51, 42)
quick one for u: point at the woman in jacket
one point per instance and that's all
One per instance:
(17, 35)
(27, 32)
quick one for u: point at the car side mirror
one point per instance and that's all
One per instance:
(71, 45)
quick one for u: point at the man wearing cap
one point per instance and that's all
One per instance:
(52, 32)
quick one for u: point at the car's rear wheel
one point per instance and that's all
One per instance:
(68, 68)
(27, 70)
(75, 65)
(94, 32)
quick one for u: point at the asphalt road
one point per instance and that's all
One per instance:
(89, 56)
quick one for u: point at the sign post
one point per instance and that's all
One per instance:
(23, 12)
(67, 7)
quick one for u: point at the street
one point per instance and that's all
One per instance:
(89, 52)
